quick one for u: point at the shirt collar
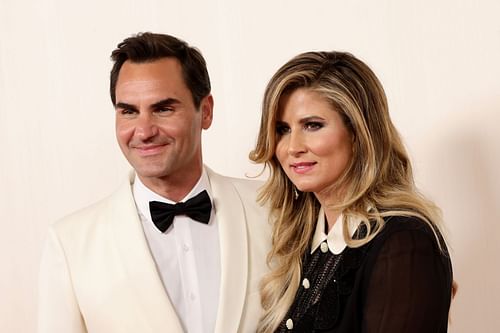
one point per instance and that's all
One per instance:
(143, 195)
(335, 237)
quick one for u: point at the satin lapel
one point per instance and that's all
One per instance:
(146, 289)
(233, 251)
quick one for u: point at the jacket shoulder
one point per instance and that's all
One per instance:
(241, 185)
(96, 214)
(88, 213)
(247, 185)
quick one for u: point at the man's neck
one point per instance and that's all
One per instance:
(172, 188)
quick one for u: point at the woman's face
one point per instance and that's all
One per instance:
(314, 147)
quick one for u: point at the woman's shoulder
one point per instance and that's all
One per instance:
(403, 233)
(397, 223)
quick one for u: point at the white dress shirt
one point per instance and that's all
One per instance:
(187, 256)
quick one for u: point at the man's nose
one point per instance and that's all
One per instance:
(146, 127)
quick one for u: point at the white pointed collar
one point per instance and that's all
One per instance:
(335, 238)
(143, 195)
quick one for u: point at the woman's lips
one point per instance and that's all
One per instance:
(302, 167)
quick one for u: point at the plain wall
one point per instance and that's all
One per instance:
(438, 61)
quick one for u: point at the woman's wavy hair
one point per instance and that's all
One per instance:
(378, 181)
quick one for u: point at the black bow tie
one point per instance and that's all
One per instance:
(198, 208)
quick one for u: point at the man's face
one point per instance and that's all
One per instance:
(157, 124)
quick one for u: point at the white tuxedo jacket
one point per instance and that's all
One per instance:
(98, 276)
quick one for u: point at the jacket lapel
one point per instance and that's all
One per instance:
(145, 288)
(233, 250)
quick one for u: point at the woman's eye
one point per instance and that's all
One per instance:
(282, 129)
(313, 125)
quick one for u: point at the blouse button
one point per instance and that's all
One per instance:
(306, 284)
(289, 323)
(324, 247)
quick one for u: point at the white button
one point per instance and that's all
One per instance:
(185, 247)
(324, 247)
(289, 323)
(306, 284)
(192, 296)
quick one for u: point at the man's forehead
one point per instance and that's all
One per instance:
(144, 91)
(163, 64)
(165, 71)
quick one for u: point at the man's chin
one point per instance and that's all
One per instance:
(151, 173)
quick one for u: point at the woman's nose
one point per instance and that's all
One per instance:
(296, 143)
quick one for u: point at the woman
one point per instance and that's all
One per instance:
(356, 247)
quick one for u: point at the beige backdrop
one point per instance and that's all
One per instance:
(438, 60)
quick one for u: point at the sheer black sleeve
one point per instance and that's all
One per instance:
(409, 288)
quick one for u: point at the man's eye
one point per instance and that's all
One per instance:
(127, 111)
(313, 125)
(165, 109)
(282, 129)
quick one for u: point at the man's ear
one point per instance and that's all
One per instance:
(207, 111)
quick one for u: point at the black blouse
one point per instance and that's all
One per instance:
(398, 282)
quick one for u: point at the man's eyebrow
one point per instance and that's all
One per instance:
(159, 104)
(165, 102)
(122, 105)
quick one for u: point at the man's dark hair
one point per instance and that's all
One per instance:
(148, 47)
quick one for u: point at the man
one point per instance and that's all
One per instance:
(136, 261)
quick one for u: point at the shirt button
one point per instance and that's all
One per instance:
(289, 323)
(306, 284)
(185, 247)
(324, 247)
(192, 296)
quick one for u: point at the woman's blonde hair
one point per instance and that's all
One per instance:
(378, 181)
